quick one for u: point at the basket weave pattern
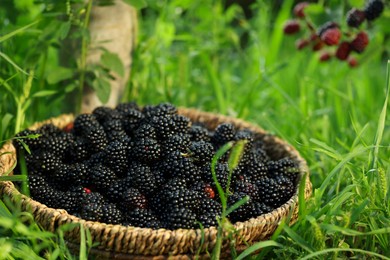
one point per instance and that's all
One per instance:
(137, 243)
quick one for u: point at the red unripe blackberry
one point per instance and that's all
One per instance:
(301, 43)
(326, 26)
(355, 17)
(299, 9)
(360, 42)
(331, 36)
(318, 45)
(291, 27)
(343, 51)
(325, 56)
(373, 9)
(352, 62)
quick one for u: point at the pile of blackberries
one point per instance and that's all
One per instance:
(150, 167)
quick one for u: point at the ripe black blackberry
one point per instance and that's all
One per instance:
(223, 133)
(209, 206)
(92, 211)
(243, 212)
(131, 120)
(145, 131)
(373, 9)
(127, 108)
(114, 130)
(47, 162)
(140, 175)
(146, 150)
(221, 172)
(116, 189)
(77, 150)
(355, 17)
(101, 177)
(255, 169)
(83, 123)
(181, 124)
(97, 139)
(144, 218)
(104, 114)
(58, 145)
(199, 133)
(132, 198)
(180, 218)
(284, 166)
(248, 188)
(40, 189)
(70, 201)
(275, 191)
(32, 143)
(116, 157)
(178, 165)
(208, 219)
(175, 143)
(175, 184)
(111, 214)
(159, 110)
(164, 126)
(201, 152)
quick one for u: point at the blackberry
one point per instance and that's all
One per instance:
(116, 157)
(70, 201)
(146, 150)
(181, 124)
(49, 130)
(373, 9)
(48, 162)
(260, 154)
(259, 208)
(199, 133)
(58, 145)
(141, 176)
(204, 189)
(275, 192)
(210, 206)
(77, 150)
(255, 169)
(93, 198)
(101, 177)
(245, 187)
(92, 212)
(243, 212)
(221, 172)
(145, 131)
(180, 218)
(164, 126)
(285, 166)
(132, 198)
(114, 130)
(175, 143)
(326, 26)
(175, 184)
(97, 139)
(208, 219)
(127, 108)
(355, 17)
(143, 218)
(159, 110)
(116, 190)
(83, 123)
(32, 143)
(106, 114)
(181, 166)
(131, 120)
(223, 133)
(201, 152)
(111, 214)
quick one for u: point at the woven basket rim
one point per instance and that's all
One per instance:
(108, 234)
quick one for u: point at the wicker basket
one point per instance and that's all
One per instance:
(120, 242)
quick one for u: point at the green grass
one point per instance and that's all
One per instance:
(197, 54)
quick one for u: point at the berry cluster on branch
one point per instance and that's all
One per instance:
(332, 38)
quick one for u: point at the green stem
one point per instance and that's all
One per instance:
(83, 56)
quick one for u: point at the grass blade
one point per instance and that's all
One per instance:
(8, 59)
(336, 250)
(258, 246)
(13, 33)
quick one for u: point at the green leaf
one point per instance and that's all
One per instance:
(59, 74)
(102, 88)
(113, 62)
(314, 9)
(64, 30)
(5, 123)
(44, 93)
(8, 59)
(137, 4)
(13, 178)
